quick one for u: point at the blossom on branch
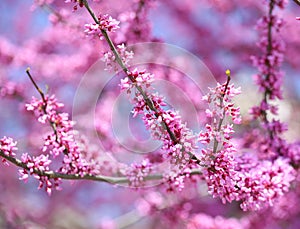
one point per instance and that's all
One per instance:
(262, 185)
(40, 163)
(136, 78)
(179, 143)
(136, 173)
(8, 146)
(110, 60)
(106, 23)
(61, 140)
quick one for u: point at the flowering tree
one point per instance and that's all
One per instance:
(148, 134)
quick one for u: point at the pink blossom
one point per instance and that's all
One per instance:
(140, 106)
(179, 143)
(76, 4)
(228, 131)
(174, 180)
(264, 184)
(44, 110)
(61, 141)
(221, 106)
(206, 136)
(106, 22)
(40, 163)
(136, 173)
(8, 146)
(216, 95)
(293, 153)
(276, 127)
(110, 61)
(270, 77)
(137, 78)
(221, 176)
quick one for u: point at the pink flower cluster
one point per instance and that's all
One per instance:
(106, 22)
(179, 152)
(174, 179)
(258, 111)
(218, 158)
(217, 132)
(40, 163)
(137, 78)
(269, 77)
(45, 110)
(293, 153)
(269, 80)
(136, 173)
(221, 100)
(61, 140)
(179, 143)
(76, 2)
(256, 183)
(220, 175)
(262, 185)
(165, 125)
(8, 146)
(110, 60)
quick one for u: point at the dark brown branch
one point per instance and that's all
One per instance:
(35, 85)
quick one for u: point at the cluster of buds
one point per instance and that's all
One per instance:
(106, 23)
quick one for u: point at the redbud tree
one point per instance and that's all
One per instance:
(149, 114)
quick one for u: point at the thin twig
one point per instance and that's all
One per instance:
(36, 86)
(44, 107)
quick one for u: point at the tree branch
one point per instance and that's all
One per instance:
(148, 101)
(106, 179)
